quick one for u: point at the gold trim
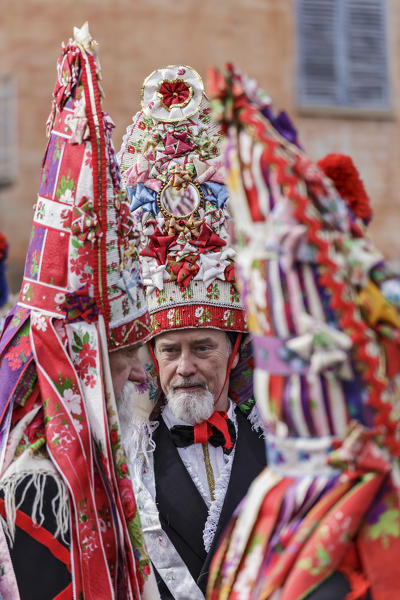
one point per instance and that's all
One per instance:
(209, 471)
(166, 213)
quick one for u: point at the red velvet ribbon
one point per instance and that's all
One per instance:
(203, 431)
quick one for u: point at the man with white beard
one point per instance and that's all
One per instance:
(192, 460)
(192, 450)
(191, 376)
(126, 368)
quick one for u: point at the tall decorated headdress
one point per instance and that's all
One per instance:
(81, 296)
(173, 172)
(323, 311)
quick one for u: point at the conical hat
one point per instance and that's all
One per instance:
(81, 296)
(82, 258)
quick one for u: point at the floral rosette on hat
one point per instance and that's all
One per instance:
(326, 343)
(173, 172)
(172, 94)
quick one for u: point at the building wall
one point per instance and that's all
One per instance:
(137, 36)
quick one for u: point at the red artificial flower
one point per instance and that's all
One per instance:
(113, 436)
(124, 468)
(341, 169)
(174, 92)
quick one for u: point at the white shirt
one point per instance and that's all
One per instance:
(193, 458)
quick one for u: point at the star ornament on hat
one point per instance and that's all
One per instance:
(171, 166)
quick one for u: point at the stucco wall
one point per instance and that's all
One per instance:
(137, 36)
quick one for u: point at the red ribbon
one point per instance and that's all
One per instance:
(203, 431)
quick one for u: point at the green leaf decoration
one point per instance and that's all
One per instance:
(78, 340)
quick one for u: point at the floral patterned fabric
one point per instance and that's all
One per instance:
(327, 372)
(81, 296)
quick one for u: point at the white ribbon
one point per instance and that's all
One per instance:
(212, 266)
(322, 345)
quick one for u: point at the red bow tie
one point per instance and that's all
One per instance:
(218, 430)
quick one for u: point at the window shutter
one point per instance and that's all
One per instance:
(318, 80)
(366, 53)
(342, 53)
(8, 130)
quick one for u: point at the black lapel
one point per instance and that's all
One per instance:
(183, 512)
(248, 462)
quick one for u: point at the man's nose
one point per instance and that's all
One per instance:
(186, 365)
(137, 373)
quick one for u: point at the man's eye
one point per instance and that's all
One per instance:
(203, 348)
(169, 351)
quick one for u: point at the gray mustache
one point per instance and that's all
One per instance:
(189, 383)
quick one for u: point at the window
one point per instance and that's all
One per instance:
(342, 54)
(8, 130)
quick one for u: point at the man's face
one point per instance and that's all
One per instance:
(126, 366)
(192, 361)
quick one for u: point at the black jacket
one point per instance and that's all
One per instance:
(183, 512)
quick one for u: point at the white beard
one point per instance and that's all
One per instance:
(191, 407)
(125, 402)
(133, 406)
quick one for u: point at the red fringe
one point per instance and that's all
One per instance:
(351, 568)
